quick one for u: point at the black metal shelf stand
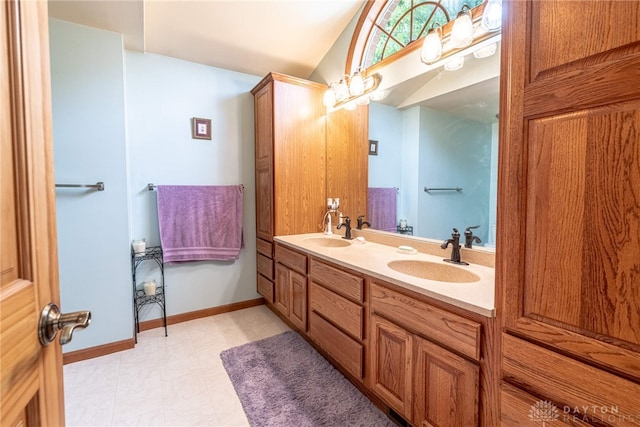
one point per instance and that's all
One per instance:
(405, 230)
(140, 299)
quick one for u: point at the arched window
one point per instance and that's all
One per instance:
(388, 26)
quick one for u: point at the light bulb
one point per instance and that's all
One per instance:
(363, 100)
(492, 15)
(342, 91)
(356, 85)
(377, 95)
(431, 47)
(350, 106)
(454, 64)
(486, 51)
(329, 99)
(462, 31)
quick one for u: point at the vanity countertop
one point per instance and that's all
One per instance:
(371, 259)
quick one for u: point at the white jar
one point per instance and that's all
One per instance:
(149, 287)
(139, 246)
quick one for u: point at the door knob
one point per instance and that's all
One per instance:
(52, 321)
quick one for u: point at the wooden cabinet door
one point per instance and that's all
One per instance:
(568, 260)
(298, 311)
(282, 294)
(391, 368)
(446, 387)
(348, 159)
(264, 162)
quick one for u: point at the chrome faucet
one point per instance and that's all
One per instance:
(469, 238)
(362, 222)
(455, 248)
(347, 225)
(332, 207)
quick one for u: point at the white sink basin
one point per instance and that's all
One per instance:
(433, 271)
(327, 242)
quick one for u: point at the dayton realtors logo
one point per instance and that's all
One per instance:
(543, 412)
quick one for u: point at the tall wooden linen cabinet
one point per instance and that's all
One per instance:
(302, 156)
(568, 261)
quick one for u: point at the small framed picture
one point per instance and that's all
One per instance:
(200, 128)
(373, 148)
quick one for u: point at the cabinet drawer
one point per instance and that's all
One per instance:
(570, 383)
(345, 350)
(265, 266)
(264, 247)
(341, 282)
(516, 406)
(265, 288)
(451, 330)
(292, 259)
(339, 310)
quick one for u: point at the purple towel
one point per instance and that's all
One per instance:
(200, 222)
(382, 210)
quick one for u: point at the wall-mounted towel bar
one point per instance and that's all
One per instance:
(151, 186)
(429, 189)
(97, 186)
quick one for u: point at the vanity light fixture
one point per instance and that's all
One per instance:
(351, 91)
(492, 15)
(432, 46)
(462, 31)
(448, 45)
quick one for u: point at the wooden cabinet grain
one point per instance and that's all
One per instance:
(337, 319)
(446, 387)
(294, 136)
(410, 367)
(569, 206)
(391, 366)
(290, 166)
(290, 293)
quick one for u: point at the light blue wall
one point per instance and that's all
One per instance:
(454, 152)
(163, 94)
(89, 141)
(385, 126)
(124, 118)
(420, 147)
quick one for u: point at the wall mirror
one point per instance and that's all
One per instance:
(437, 133)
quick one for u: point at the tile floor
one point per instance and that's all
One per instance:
(177, 380)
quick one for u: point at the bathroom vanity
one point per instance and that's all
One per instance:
(421, 348)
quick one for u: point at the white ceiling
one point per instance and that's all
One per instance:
(248, 36)
(287, 36)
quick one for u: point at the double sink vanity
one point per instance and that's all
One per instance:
(412, 332)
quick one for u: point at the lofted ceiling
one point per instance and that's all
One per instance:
(247, 36)
(287, 36)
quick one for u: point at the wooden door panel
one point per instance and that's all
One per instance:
(392, 365)
(348, 159)
(583, 222)
(282, 297)
(298, 312)
(299, 156)
(569, 202)
(264, 162)
(447, 387)
(564, 32)
(31, 388)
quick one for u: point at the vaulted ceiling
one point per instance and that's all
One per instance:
(248, 36)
